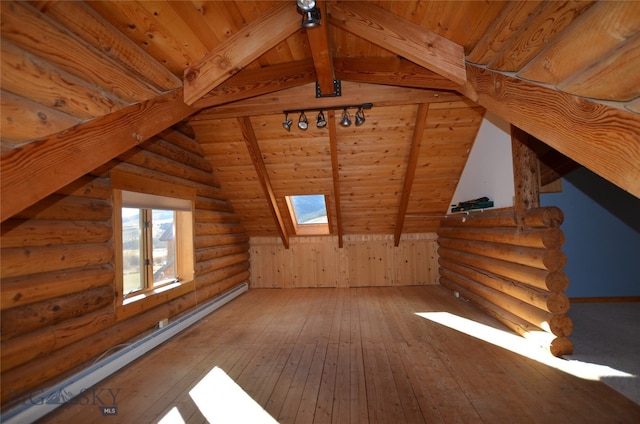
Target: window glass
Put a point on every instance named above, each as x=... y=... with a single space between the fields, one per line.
x=164 y=246
x=148 y=248
x=309 y=209
x=132 y=256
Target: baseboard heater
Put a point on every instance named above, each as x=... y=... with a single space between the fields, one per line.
x=48 y=400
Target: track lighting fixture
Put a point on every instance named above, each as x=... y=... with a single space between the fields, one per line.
x=360 y=117
x=287 y=122
x=310 y=13
x=321 y=121
x=303 y=124
x=346 y=119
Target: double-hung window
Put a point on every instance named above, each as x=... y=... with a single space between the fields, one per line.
x=153 y=229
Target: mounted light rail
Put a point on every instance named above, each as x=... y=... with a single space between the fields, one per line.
x=321 y=121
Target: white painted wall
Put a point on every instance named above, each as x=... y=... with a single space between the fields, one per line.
x=489 y=169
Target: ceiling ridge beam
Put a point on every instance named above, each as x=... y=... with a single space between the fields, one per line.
x=321 y=52
x=239 y=50
x=412 y=165
x=402 y=37
x=251 y=141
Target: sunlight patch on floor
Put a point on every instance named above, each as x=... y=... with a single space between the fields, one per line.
x=522 y=346
x=172 y=417
x=221 y=400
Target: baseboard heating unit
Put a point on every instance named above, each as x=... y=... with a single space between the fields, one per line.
x=51 y=398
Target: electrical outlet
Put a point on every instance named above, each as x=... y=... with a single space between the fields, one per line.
x=163 y=323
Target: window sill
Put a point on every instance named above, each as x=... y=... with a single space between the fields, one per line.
x=143 y=301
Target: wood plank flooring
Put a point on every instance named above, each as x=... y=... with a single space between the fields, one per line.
x=351 y=356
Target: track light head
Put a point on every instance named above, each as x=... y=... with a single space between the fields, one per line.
x=360 y=117
x=346 y=120
x=303 y=124
x=321 y=122
x=305 y=5
x=287 y=122
x=310 y=18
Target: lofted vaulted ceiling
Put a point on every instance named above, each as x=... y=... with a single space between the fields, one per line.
x=83 y=82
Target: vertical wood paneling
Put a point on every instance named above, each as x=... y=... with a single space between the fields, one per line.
x=365 y=260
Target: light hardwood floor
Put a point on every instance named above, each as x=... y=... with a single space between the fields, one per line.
x=351 y=356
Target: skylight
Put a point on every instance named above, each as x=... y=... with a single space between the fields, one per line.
x=309 y=214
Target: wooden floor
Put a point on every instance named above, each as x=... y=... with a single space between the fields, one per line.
x=350 y=356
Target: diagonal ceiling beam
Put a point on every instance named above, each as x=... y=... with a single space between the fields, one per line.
x=30 y=173
x=401 y=37
x=241 y=49
x=335 y=170
x=412 y=165
x=319 y=44
x=256 y=82
x=263 y=176
x=598 y=136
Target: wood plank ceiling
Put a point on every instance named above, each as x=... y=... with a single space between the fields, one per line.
x=76 y=73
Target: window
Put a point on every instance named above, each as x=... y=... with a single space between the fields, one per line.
x=153 y=233
x=148 y=248
x=309 y=214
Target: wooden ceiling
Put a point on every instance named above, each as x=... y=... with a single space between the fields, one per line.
x=83 y=82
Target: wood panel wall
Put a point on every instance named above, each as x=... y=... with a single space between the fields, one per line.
x=512 y=274
x=364 y=260
x=58 y=290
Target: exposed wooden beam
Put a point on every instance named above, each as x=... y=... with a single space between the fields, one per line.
x=263 y=176
x=335 y=170
x=600 y=137
x=239 y=50
x=303 y=97
x=321 y=52
x=526 y=174
x=402 y=37
x=412 y=164
x=30 y=173
x=256 y=82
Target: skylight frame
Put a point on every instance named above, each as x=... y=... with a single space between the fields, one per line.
x=302 y=229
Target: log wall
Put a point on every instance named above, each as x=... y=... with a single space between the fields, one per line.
x=57 y=293
x=364 y=260
x=515 y=275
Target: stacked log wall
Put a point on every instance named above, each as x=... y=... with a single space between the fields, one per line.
x=513 y=273
x=58 y=292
